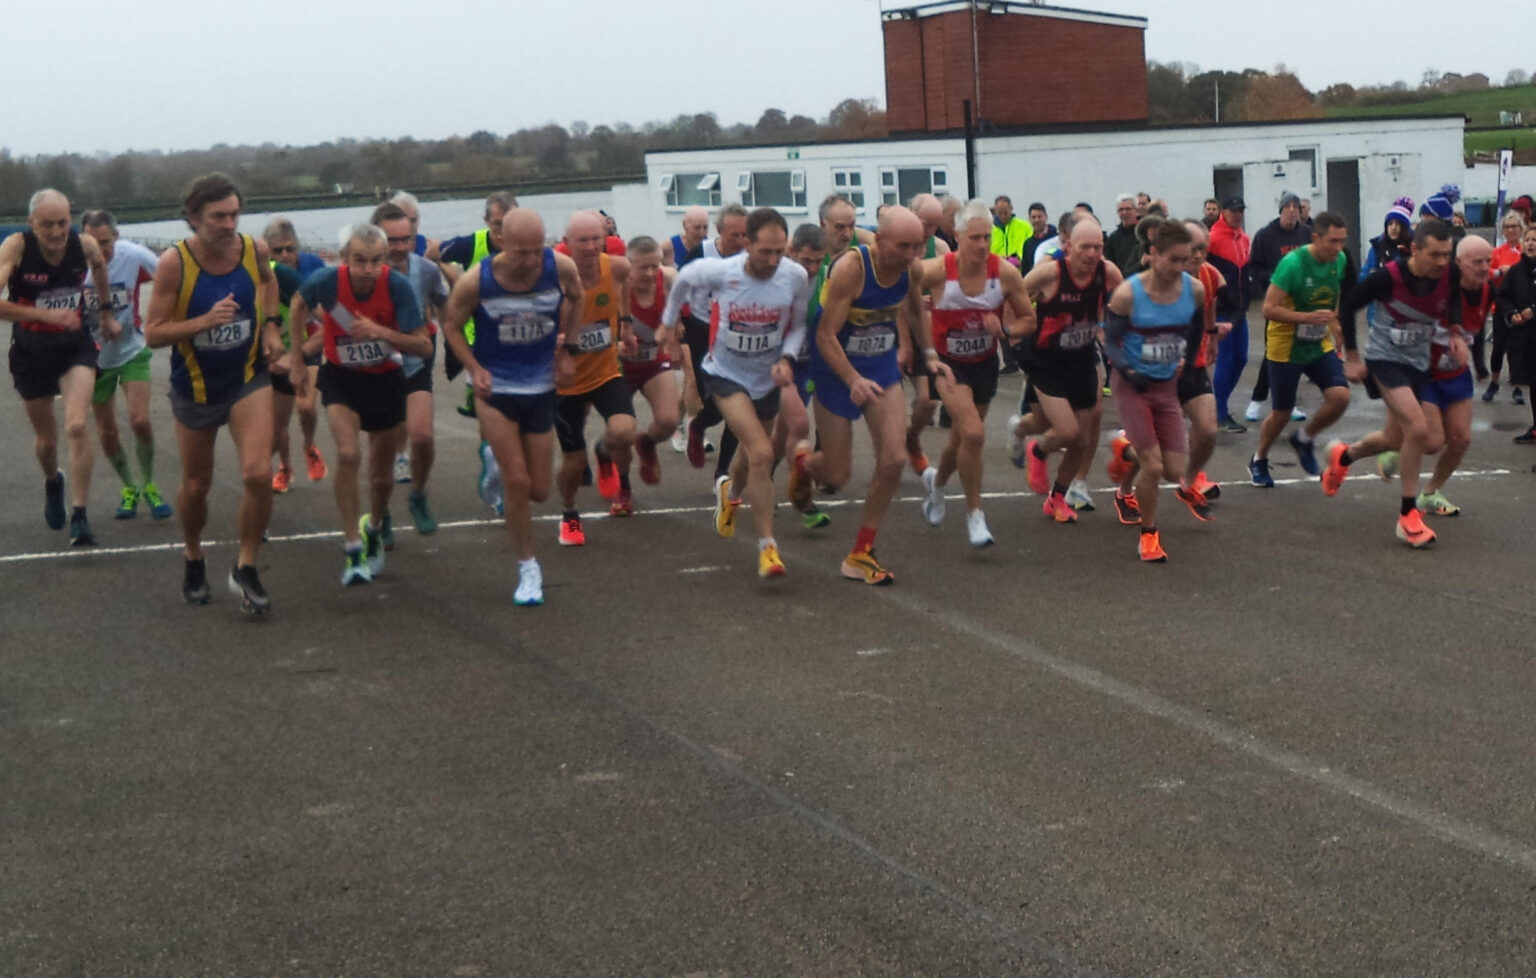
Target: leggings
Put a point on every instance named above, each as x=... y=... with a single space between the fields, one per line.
x=1231 y=358
x=1261 y=389
x=1500 y=343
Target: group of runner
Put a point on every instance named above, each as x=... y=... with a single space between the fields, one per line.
x=776 y=328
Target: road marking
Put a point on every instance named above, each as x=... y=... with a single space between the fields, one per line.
x=145 y=548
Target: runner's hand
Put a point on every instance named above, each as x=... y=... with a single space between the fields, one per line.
x=1354 y=367
x=481 y=379
x=993 y=323
x=222 y=312
x=941 y=369
x=864 y=392
x=299 y=379
x=783 y=374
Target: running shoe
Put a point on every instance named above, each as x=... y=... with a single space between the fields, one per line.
x=1435 y=504
x=316 y=463
x=607 y=473
x=915 y=454
x=53 y=501
x=1015 y=441
x=1210 y=490
x=933 y=500
x=1057 y=509
x=571 y=534
x=1386 y=465
x=489 y=481
x=815 y=519
x=623 y=504
x=1297 y=414
x=1254 y=408
x=1517 y=396
x=80 y=534
x=1334 y=474
x=1197 y=505
x=1151 y=548
x=373 y=546
x=650 y=465
x=1039 y=479
x=1258 y=473
x=1491 y=392
x=1078 y=497
x=158 y=507
x=976 y=529
x=800 y=480
x=1412 y=531
x=253 y=597
x=194 y=583
x=860 y=565
x=1230 y=424
x=696 y=444
x=282 y=479
x=421 y=513
x=128 y=508
x=355 y=570
x=1527 y=437
x=402 y=468
x=680 y=437
x=769 y=563
x=1118 y=466
x=725 y=508
x=530 y=585
x=387 y=532
x=467 y=406
x=1306 y=453
x=1128 y=508
x=1109 y=391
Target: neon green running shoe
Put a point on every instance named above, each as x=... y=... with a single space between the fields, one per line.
x=129 y=507
x=815 y=519
x=1435 y=504
x=1386 y=466
x=158 y=507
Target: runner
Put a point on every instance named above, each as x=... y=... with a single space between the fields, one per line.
x=421 y=244
x=757 y=325
x=525 y=300
x=808 y=249
x=414 y=437
x=1447 y=397
x=732 y=225
x=52 y=352
x=457 y=256
x=924 y=401
x=689 y=245
x=1414 y=296
x=1150 y=320
x=1301 y=311
x=214 y=303
x=596 y=380
x=125 y=361
x=646 y=358
x=856 y=367
x=970 y=289
x=1063 y=363
x=368 y=317
x=283 y=244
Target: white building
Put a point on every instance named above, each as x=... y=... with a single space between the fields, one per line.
x=1354 y=166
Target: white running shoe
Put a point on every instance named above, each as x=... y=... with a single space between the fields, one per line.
x=402 y=468
x=1297 y=414
x=530 y=584
x=490 y=478
x=1015 y=441
x=976 y=527
x=933 y=502
x=680 y=437
x=1078 y=497
x=1254 y=407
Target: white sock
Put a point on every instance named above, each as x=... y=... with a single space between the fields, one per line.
x=763 y=543
x=1303 y=437
x=531 y=563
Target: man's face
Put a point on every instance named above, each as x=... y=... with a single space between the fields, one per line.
x=585 y=240
x=838 y=227
x=525 y=252
x=1037 y=220
x=809 y=259
x=901 y=245
x=1212 y=210
x=1126 y=211
x=764 y=253
x=733 y=234
x=106 y=238
x=494 y=223
x=365 y=259
x=975 y=242
x=930 y=217
x=400 y=241
x=1085 y=251
x=696 y=228
x=50 y=222
x=285 y=251
x=1432 y=259
x=1233 y=217
x=644 y=266
x=1326 y=247
x=1474 y=268
x=1306 y=209
x=218 y=220
x=1142 y=200
x=1290 y=216
x=1003 y=210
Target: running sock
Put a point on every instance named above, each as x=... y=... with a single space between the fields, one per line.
x=1058 y=490
x=646 y=440
x=1408 y=504
x=146 y=453
x=1345 y=458
x=77 y=513
x=865 y=541
x=355 y=548
x=528 y=564
x=763 y=543
x=624 y=481
x=1148 y=529
x=1038 y=452
x=119 y=464
x=570 y=514
x=1303 y=437
x=374 y=527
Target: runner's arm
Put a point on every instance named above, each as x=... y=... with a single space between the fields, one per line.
x=462 y=300
x=159 y=329
x=1021 y=324
x=843 y=285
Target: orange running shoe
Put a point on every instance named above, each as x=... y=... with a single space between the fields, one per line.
x=1334 y=473
x=1210 y=490
x=800 y=479
x=282 y=479
x=571 y=534
x=1151 y=548
x=1128 y=508
x=1193 y=498
x=915 y=454
x=1118 y=467
x=1412 y=531
x=1057 y=509
x=316 y=463
x=1038 y=477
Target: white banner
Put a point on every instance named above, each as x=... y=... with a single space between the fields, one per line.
x=1506 y=159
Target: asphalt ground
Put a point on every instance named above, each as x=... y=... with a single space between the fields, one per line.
x=1298 y=748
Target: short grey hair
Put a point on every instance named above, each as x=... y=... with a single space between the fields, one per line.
x=279 y=229
x=972 y=210
x=831 y=201
x=405 y=197
x=359 y=231
x=99 y=219
x=502 y=197
x=1125 y=199
x=42 y=197
x=732 y=209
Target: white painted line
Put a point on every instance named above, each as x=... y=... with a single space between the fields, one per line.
x=824 y=503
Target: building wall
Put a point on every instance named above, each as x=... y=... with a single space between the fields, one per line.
x=1030 y=67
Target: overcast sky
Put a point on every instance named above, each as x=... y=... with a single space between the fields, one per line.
x=95 y=75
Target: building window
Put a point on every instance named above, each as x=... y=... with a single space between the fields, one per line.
x=772 y=188
x=689 y=189
x=849 y=185
x=1307 y=157
x=900 y=184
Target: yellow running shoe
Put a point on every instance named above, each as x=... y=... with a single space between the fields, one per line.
x=725 y=508
x=769 y=564
x=860 y=565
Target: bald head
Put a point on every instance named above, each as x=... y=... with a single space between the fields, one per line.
x=1085 y=248
x=929 y=211
x=1473 y=256
x=896 y=220
x=1086 y=229
x=899 y=238
x=521 y=227
x=47 y=197
x=695 y=225
x=1198 y=236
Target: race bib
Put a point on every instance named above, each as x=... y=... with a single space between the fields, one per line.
x=1077 y=336
x=229 y=336
x=1409 y=336
x=750 y=344
x=524 y=327
x=967 y=344
x=594 y=337
x=362 y=353
x=61 y=299
x=870 y=344
x=1447 y=363
x=121 y=298
x=1162 y=351
x=1311 y=332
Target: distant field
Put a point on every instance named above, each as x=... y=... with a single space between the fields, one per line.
x=1500 y=139
x=1482 y=108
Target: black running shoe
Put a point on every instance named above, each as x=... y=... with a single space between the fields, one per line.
x=194 y=583
x=80 y=534
x=253 y=597
x=53 y=501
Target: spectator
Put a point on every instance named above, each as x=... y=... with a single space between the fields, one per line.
x=1143 y=200
x=1009 y=232
x=1229 y=251
x=1271 y=243
x=1516 y=309
x=1120 y=245
x=1212 y=212
x=1306 y=211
